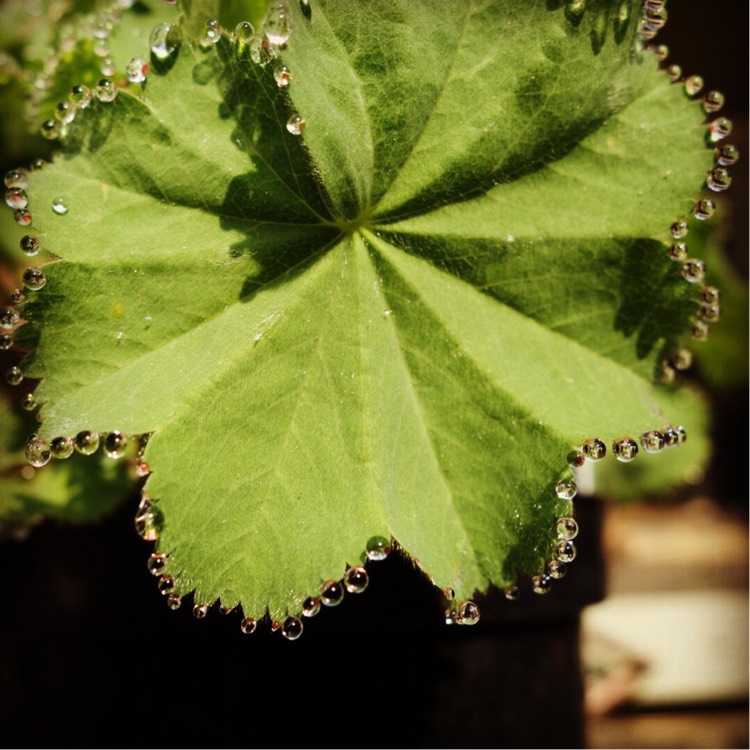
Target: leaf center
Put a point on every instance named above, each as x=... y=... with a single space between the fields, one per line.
x=350 y=226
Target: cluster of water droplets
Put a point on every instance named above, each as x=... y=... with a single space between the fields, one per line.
x=264 y=46
x=95 y=30
x=718 y=179
x=149 y=522
x=34 y=279
x=39 y=452
x=624 y=449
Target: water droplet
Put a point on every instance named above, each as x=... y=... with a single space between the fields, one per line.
x=34 y=279
x=16 y=198
x=671 y=438
x=87 y=442
x=8 y=317
x=262 y=53
x=296 y=124
x=65 y=112
x=625 y=449
x=244 y=33
x=566 y=489
x=727 y=154
x=282 y=76
x=30 y=245
x=165 y=585
x=292 y=628
x=59 y=206
x=157 y=563
x=693 y=270
x=115 y=444
x=682 y=359
x=700 y=331
x=450 y=615
x=248 y=625
x=679 y=229
x=565 y=551
x=541 y=584
x=719 y=128
x=594 y=449
x=662 y=52
x=51 y=129
x=6 y=341
x=556 y=569
x=105 y=91
x=682 y=434
x=37 y=452
x=678 y=251
x=311 y=606
x=61 y=447
x=17 y=178
x=674 y=72
x=449 y=593
x=693 y=85
x=80 y=95
x=654 y=18
x=142 y=469
x=211 y=34
x=18 y=296
x=666 y=373
x=713 y=101
x=576 y=459
x=332 y=593
x=710 y=313
x=149 y=520
x=277 y=25
x=14 y=375
x=107 y=67
x=468 y=613
x=652 y=441
x=378 y=548
x=512 y=593
x=718 y=179
x=28 y=403
x=136 y=70
x=645 y=32
x=710 y=294
x=704 y=209
x=275 y=625
x=22 y=216
x=174 y=601
x=164 y=40
x=200 y=611
x=356 y=579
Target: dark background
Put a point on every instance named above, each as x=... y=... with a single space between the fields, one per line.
x=91 y=656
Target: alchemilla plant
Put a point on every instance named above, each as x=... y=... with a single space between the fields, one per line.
x=335 y=276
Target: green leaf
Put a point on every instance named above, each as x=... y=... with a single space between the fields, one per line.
x=397 y=324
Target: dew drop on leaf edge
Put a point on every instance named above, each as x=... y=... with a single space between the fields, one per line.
x=248 y=625
x=332 y=593
x=356 y=579
x=292 y=628
x=377 y=548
